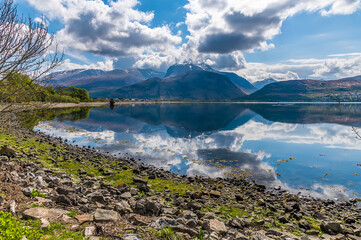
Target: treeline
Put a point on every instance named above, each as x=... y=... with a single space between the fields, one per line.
x=19 y=88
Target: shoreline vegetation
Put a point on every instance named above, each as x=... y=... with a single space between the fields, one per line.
x=56 y=190
x=105 y=102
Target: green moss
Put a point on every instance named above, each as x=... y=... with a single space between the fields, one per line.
x=160 y=185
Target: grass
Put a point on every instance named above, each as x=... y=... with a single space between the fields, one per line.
x=36 y=193
x=14 y=229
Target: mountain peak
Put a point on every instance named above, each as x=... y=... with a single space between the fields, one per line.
x=177 y=69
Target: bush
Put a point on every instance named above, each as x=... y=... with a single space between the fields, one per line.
x=12 y=229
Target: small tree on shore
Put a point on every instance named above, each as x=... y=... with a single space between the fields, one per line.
x=26 y=48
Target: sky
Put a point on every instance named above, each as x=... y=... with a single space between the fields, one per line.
x=257 y=39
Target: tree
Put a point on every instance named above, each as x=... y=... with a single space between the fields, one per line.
x=26 y=48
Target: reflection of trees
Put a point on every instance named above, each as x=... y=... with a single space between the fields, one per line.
x=32 y=118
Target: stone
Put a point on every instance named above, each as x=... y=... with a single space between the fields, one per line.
x=304 y=224
x=123 y=207
x=62 y=199
x=7 y=151
x=215 y=225
x=132 y=237
x=183 y=229
x=65 y=190
x=191 y=223
x=140 y=180
x=4 y=159
x=148 y=207
x=214 y=193
x=164 y=222
x=126 y=195
x=13 y=207
x=44 y=223
x=312 y=232
x=97 y=197
x=28 y=191
x=261 y=202
x=82 y=218
x=38 y=213
x=331 y=228
x=102 y=215
x=89 y=231
x=189 y=215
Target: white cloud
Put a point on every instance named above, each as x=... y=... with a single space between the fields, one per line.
x=113 y=30
x=68 y=65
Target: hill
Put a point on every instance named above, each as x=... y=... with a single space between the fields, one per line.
x=347 y=89
x=246 y=86
x=193 y=85
x=262 y=83
x=178 y=69
x=99 y=83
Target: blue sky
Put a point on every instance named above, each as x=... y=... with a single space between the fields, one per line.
x=256 y=39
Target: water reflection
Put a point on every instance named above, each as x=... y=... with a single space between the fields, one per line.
x=310 y=149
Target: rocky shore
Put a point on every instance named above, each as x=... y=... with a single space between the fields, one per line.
x=97 y=196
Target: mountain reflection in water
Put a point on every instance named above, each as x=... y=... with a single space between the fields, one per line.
x=307 y=148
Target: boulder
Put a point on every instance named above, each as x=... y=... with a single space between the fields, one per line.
x=123 y=207
x=38 y=213
x=332 y=228
x=214 y=225
x=102 y=215
x=82 y=218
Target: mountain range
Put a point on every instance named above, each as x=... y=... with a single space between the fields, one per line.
x=100 y=83
x=202 y=82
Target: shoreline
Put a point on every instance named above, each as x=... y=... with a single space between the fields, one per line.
x=236 y=206
x=27 y=107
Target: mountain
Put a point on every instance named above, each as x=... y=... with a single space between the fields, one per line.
x=347 y=89
x=261 y=84
x=193 y=85
x=178 y=69
x=99 y=83
x=246 y=86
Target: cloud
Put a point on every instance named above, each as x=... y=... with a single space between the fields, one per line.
x=110 y=30
x=107 y=65
x=220 y=26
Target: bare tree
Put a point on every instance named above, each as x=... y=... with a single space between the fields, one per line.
x=358 y=135
x=27 y=55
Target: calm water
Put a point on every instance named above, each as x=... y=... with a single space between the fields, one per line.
x=302 y=148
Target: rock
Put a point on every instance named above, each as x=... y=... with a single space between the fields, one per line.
x=4 y=159
x=312 y=232
x=214 y=193
x=38 y=213
x=126 y=195
x=192 y=223
x=304 y=224
x=82 y=171
x=189 y=215
x=164 y=222
x=349 y=219
x=132 y=237
x=331 y=228
x=97 y=197
x=260 y=236
x=123 y=207
x=183 y=229
x=62 y=199
x=7 y=151
x=102 y=215
x=148 y=207
x=140 y=180
x=44 y=223
x=273 y=232
x=261 y=202
x=82 y=218
x=65 y=190
x=40 y=183
x=214 y=225
x=13 y=207
x=89 y=231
